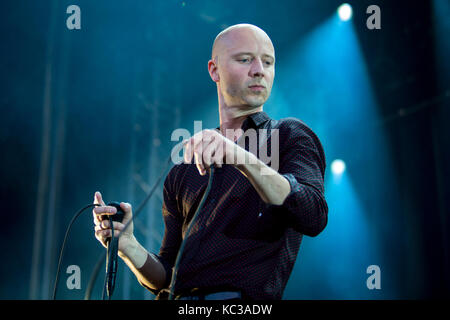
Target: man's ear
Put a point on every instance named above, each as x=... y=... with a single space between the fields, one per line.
x=212 y=69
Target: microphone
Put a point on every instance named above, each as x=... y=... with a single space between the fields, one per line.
x=112 y=248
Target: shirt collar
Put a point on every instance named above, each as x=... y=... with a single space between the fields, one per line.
x=255 y=120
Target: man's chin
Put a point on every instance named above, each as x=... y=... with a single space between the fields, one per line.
x=256 y=102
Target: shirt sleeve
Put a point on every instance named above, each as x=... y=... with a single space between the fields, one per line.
x=303 y=165
x=173 y=226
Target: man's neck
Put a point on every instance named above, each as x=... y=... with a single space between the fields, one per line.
x=232 y=118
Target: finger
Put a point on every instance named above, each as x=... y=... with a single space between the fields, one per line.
x=99 y=235
x=197 y=139
x=126 y=207
x=101 y=213
x=98 y=198
x=208 y=153
x=218 y=155
x=128 y=211
x=97 y=219
x=105 y=224
x=201 y=141
x=105 y=210
x=102 y=235
x=198 y=163
x=187 y=145
x=193 y=144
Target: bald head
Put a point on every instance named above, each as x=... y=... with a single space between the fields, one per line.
x=243 y=67
x=228 y=37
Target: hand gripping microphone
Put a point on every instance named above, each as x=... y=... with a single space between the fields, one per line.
x=112 y=247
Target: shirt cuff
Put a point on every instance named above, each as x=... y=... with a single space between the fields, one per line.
x=290 y=202
x=305 y=209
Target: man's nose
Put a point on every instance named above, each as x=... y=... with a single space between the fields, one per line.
x=257 y=68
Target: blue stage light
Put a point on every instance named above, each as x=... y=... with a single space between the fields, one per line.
x=338 y=167
x=345 y=12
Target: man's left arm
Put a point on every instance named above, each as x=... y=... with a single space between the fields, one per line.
x=272 y=187
x=297 y=189
x=298 y=186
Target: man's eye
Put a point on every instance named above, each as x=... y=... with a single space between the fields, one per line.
x=244 y=60
x=269 y=63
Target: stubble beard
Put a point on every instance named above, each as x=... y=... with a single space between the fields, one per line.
x=247 y=97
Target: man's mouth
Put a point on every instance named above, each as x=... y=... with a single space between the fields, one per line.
x=257 y=87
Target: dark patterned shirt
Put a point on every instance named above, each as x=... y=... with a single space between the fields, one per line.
x=239 y=241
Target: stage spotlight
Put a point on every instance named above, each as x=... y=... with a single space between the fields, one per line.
x=345 y=12
x=338 y=167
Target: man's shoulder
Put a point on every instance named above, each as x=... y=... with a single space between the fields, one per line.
x=175 y=174
x=177 y=169
x=293 y=126
x=291 y=122
x=294 y=131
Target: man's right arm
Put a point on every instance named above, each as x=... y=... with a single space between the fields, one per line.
x=146 y=267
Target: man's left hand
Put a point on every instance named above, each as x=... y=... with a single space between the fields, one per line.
x=210 y=147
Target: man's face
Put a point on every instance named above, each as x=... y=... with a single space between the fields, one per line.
x=246 y=67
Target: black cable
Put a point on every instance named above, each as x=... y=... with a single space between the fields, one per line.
x=96 y=269
x=111 y=263
x=106 y=272
x=94 y=275
x=183 y=243
x=135 y=214
x=61 y=252
x=112 y=248
x=110 y=252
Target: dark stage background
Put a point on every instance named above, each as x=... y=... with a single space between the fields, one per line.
x=94 y=109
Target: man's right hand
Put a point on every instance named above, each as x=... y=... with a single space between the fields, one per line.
x=103 y=228
x=147 y=268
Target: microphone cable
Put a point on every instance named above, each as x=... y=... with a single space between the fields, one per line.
x=183 y=243
x=98 y=265
x=111 y=263
x=61 y=252
x=116 y=239
x=112 y=253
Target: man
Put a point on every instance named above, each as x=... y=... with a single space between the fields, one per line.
x=245 y=242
